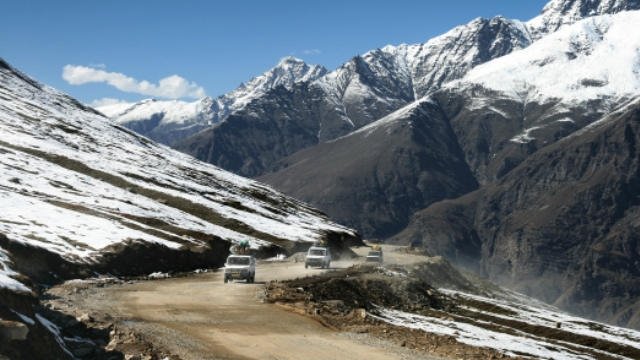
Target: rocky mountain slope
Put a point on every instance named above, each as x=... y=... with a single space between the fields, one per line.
x=378 y=176
x=582 y=190
x=170 y=121
x=121 y=195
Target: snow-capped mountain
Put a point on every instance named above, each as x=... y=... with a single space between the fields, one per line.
x=164 y=121
x=558 y=13
x=172 y=120
x=288 y=72
x=361 y=91
x=499 y=114
x=592 y=59
x=119 y=194
x=533 y=97
x=373 y=85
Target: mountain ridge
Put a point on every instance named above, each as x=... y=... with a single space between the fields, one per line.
x=168 y=121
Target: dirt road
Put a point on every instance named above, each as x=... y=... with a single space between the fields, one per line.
x=200 y=317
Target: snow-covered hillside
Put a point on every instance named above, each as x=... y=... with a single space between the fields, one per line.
x=168 y=121
x=558 y=13
x=521 y=327
x=75 y=184
x=592 y=59
x=289 y=71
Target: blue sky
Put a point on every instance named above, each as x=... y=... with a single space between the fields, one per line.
x=214 y=45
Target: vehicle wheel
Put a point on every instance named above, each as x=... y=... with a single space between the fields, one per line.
x=226 y=279
x=306 y=266
x=253 y=279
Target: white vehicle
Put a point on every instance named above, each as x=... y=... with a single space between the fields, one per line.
x=318 y=256
x=375 y=256
x=240 y=267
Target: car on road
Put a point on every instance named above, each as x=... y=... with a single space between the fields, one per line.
x=318 y=256
x=240 y=267
x=375 y=256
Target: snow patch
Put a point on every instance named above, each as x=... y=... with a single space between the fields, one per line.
x=55 y=330
x=592 y=59
x=525 y=136
x=6 y=275
x=158 y=275
x=478 y=337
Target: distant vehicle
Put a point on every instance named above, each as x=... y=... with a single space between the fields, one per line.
x=318 y=256
x=375 y=256
x=240 y=267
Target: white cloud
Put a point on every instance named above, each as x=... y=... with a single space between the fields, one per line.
x=312 y=52
x=172 y=87
x=106 y=102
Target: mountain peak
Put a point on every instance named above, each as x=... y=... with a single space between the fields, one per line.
x=589 y=7
x=287 y=72
x=558 y=13
x=290 y=60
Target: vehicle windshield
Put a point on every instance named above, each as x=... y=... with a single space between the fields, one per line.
x=316 y=252
x=236 y=260
x=374 y=253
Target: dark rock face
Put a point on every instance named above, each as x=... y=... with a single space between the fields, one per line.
x=497 y=132
x=377 y=177
x=251 y=141
x=561 y=226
